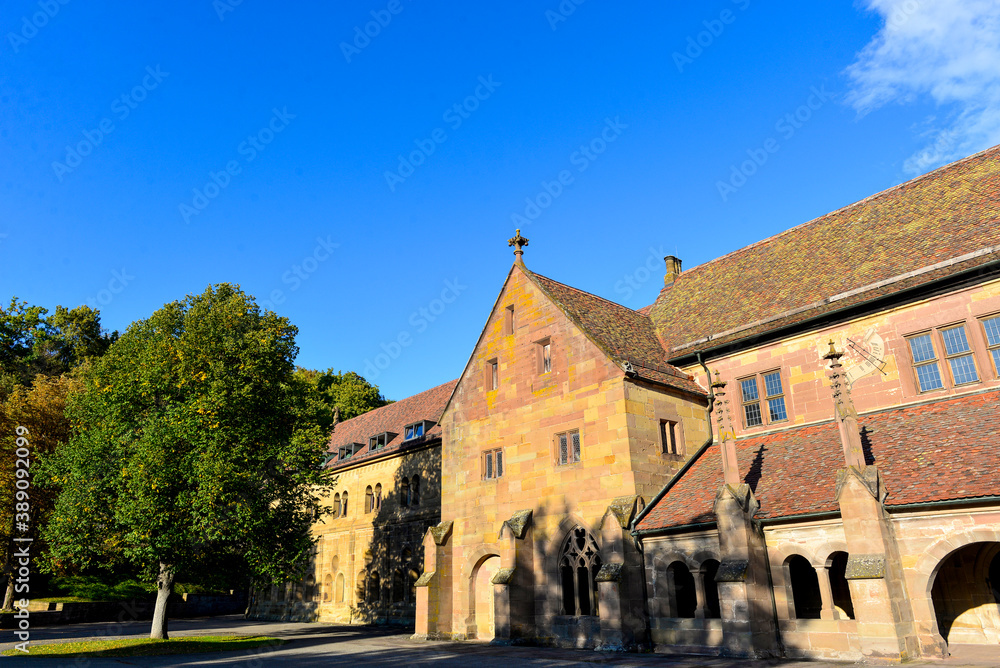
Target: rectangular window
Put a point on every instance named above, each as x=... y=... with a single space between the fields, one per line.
x=959 y=355
x=346 y=451
x=376 y=442
x=508 y=321
x=413 y=431
x=775 y=397
x=992 y=327
x=493 y=464
x=670 y=438
x=546 y=357
x=925 y=362
x=569 y=447
x=494 y=375
x=751 y=402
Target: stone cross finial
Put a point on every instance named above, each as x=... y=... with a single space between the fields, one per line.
x=730 y=466
x=845 y=413
x=518 y=241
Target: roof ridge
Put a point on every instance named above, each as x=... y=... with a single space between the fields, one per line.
x=847 y=207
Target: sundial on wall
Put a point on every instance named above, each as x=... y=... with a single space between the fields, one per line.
x=871 y=353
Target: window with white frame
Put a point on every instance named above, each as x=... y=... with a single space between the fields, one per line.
x=765 y=388
x=957 y=365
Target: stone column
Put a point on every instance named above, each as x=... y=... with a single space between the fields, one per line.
x=874 y=568
x=825 y=593
x=513 y=584
x=749 y=629
x=620 y=582
x=699 y=592
x=434 y=586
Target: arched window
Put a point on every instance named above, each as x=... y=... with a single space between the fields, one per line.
x=415 y=490
x=578 y=567
x=369 y=499
x=406 y=557
x=343 y=507
x=336 y=505
x=404 y=492
x=411 y=590
x=327 y=587
x=378 y=497
x=838 y=584
x=398 y=586
x=374 y=587
x=339 y=595
x=680 y=589
x=709 y=570
x=363 y=586
x=805 y=587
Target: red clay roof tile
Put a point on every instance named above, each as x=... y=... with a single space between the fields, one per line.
x=936 y=451
x=946 y=214
x=428 y=405
x=624 y=334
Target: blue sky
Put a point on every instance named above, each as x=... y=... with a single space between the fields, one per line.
x=353 y=180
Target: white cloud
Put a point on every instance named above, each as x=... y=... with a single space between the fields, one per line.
x=944 y=50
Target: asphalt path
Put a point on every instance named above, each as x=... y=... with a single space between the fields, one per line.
x=315 y=645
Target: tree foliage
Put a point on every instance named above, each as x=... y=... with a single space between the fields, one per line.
x=40 y=409
x=191 y=448
x=33 y=342
x=347 y=392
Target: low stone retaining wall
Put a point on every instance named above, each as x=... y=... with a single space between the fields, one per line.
x=45 y=613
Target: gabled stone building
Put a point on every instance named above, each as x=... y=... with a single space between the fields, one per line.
x=386 y=466
x=792 y=452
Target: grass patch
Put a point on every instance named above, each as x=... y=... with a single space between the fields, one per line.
x=147 y=647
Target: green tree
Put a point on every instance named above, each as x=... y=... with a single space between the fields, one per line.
x=32 y=342
x=189 y=450
x=347 y=392
x=40 y=409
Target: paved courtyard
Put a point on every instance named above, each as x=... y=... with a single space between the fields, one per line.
x=329 y=645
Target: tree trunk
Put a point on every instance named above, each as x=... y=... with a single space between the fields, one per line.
x=8 y=599
x=164 y=588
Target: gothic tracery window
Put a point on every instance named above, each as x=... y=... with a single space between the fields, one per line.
x=578 y=567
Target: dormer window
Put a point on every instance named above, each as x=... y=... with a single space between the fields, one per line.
x=347 y=450
x=415 y=430
x=378 y=442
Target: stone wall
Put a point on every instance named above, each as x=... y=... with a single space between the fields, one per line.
x=353 y=547
x=803 y=372
x=621 y=456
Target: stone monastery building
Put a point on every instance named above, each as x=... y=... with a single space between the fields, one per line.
x=792 y=452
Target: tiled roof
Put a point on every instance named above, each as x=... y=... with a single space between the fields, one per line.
x=936 y=451
x=427 y=405
x=624 y=334
x=949 y=213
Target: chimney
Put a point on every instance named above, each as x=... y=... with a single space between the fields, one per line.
x=673 y=269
